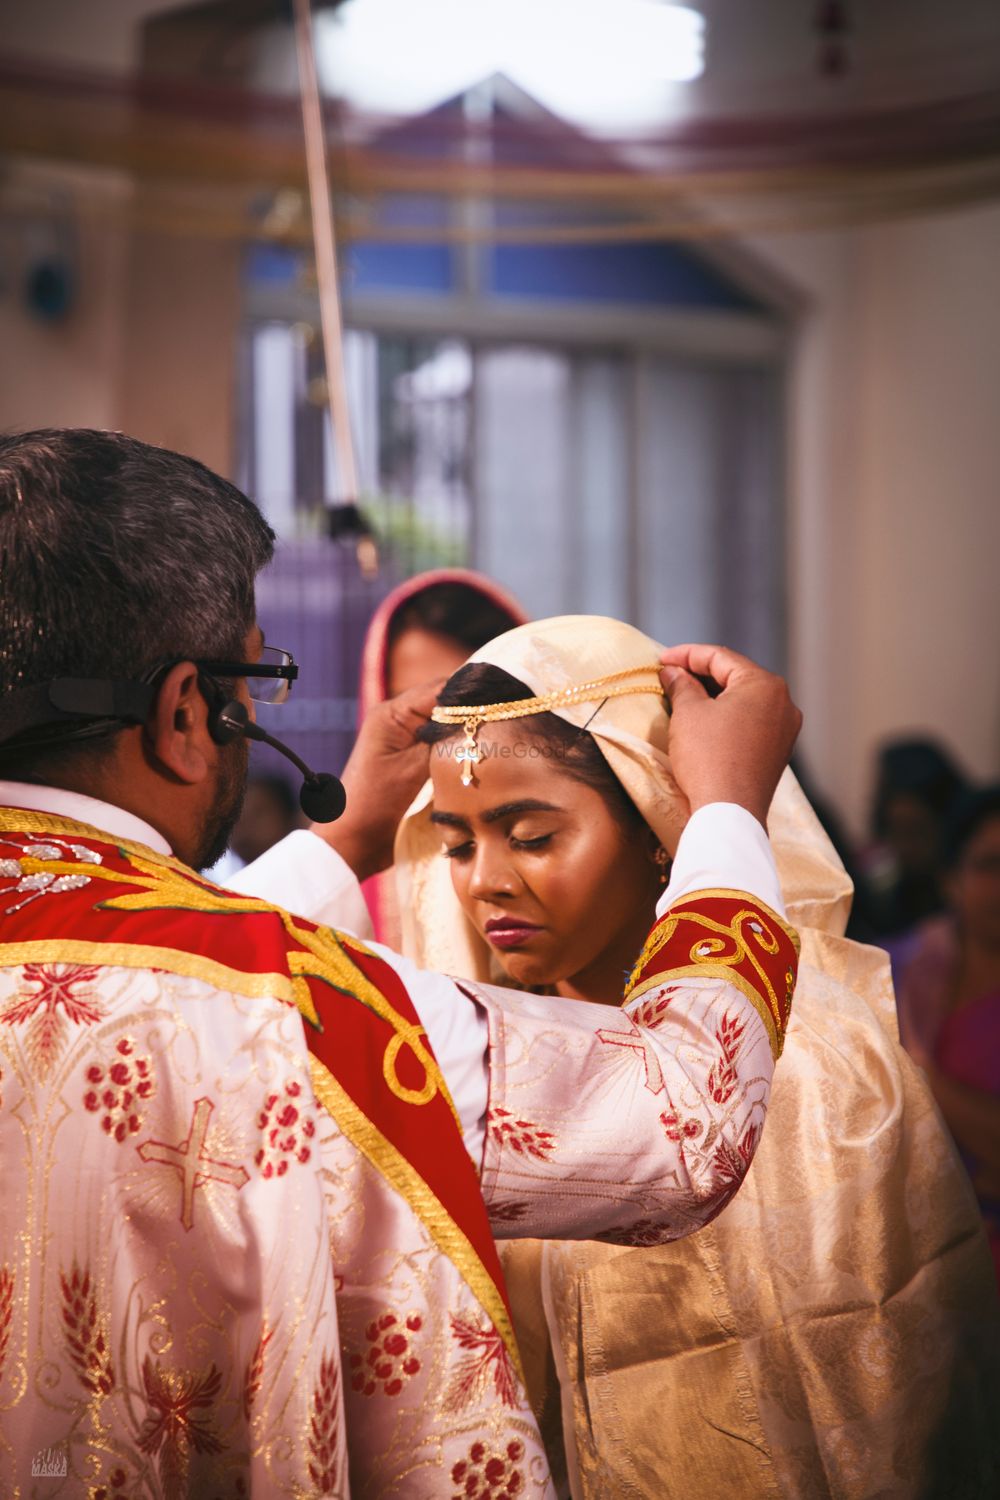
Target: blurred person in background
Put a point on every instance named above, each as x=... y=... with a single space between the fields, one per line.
x=270 y=811
x=424 y=630
x=948 y=998
x=860 y=926
x=918 y=786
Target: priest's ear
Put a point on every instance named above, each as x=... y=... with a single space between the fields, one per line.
x=176 y=733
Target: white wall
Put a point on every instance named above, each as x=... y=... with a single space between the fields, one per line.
x=894 y=480
x=149 y=345
x=67 y=373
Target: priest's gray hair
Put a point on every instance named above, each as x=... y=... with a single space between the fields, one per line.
x=116 y=556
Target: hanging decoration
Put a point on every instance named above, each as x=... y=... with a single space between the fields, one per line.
x=221 y=161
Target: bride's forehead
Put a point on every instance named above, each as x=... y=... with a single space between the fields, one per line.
x=511 y=761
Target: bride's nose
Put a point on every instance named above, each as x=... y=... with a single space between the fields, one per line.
x=492 y=872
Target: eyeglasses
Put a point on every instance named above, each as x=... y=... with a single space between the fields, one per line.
x=268 y=680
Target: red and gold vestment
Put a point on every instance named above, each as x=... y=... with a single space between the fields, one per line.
x=243 y=1248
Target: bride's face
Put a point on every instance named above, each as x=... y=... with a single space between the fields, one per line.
x=561 y=891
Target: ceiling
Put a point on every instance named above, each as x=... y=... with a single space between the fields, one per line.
x=761 y=56
x=767 y=135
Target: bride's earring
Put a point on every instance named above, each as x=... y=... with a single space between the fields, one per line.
x=661 y=860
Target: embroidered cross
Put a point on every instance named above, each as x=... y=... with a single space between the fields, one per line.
x=640 y=1044
x=194 y=1167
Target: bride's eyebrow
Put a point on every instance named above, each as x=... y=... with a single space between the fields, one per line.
x=450 y=820
x=514 y=809
x=505 y=810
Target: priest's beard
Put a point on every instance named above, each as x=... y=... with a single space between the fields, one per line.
x=230 y=789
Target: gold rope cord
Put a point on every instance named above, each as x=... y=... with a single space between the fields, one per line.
x=596 y=691
x=473 y=717
x=204 y=168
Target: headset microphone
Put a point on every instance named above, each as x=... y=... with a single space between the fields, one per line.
x=321 y=796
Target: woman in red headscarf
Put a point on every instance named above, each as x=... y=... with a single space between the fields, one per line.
x=425 y=629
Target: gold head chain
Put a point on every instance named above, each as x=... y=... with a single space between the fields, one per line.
x=472 y=716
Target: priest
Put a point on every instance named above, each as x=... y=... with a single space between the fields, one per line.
x=254 y=1167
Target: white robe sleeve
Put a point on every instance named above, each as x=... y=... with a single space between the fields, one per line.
x=304 y=875
x=723 y=847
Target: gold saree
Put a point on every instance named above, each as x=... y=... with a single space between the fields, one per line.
x=834 y=1331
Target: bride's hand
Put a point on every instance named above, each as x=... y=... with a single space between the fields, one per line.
x=732 y=748
x=386 y=769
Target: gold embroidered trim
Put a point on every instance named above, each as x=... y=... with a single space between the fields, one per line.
x=709 y=970
x=142 y=956
x=25 y=820
x=164 y=882
x=712 y=966
x=716 y=894
x=450 y=1239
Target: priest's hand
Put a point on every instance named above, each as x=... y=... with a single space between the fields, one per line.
x=733 y=747
x=386 y=769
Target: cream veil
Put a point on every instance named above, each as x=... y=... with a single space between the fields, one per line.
x=632 y=733
x=830 y=1334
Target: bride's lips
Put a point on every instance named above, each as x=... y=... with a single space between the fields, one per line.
x=509 y=932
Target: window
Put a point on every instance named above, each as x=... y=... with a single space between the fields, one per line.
x=603 y=460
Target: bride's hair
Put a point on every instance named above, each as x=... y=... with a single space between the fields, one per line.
x=573 y=750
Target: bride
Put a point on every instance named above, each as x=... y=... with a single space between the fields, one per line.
x=829 y=1334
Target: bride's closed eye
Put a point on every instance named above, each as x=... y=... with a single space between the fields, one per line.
x=458 y=851
x=465 y=849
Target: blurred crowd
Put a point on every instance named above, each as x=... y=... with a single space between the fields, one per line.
x=927 y=879
x=927 y=888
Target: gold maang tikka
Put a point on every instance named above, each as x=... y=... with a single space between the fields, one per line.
x=472 y=716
